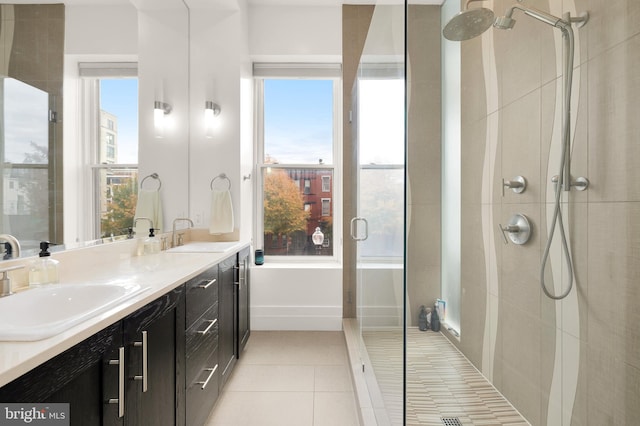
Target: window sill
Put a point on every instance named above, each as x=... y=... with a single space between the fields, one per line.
x=328 y=264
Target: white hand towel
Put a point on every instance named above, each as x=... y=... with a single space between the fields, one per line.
x=150 y=206
x=221 y=212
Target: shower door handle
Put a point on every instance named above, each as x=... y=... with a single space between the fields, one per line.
x=354 y=229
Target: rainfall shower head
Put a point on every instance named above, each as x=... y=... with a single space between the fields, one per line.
x=468 y=24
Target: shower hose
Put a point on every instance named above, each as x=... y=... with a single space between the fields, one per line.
x=564 y=180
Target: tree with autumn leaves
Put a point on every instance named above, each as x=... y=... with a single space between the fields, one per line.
x=122 y=209
x=283 y=205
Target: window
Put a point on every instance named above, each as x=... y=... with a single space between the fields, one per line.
x=326 y=183
x=298 y=114
x=113 y=90
x=326 y=207
x=381 y=166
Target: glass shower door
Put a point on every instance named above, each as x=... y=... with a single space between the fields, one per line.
x=378 y=227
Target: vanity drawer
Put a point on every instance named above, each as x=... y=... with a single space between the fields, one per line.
x=202 y=392
x=202 y=294
x=201 y=342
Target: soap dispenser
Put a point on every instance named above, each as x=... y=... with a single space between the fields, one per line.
x=43 y=270
x=152 y=244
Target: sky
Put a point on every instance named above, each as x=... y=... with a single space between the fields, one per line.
x=120 y=98
x=298 y=117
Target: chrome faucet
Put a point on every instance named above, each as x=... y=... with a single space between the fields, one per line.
x=5 y=287
x=13 y=242
x=135 y=221
x=173 y=234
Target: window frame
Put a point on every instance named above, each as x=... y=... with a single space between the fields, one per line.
x=326 y=71
x=90 y=74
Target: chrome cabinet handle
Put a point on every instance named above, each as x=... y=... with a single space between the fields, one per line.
x=207 y=285
x=211 y=324
x=353 y=230
x=211 y=373
x=145 y=365
x=120 y=399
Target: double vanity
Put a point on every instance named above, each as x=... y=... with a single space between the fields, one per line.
x=130 y=340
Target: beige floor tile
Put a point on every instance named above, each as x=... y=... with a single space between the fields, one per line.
x=330 y=378
x=289 y=378
x=334 y=409
x=275 y=378
x=263 y=408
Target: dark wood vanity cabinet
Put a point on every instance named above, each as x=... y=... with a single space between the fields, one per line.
x=243 y=285
x=201 y=337
x=154 y=359
x=228 y=317
x=72 y=377
x=165 y=364
x=129 y=373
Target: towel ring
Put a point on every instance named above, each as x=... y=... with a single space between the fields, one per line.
x=153 y=176
x=221 y=176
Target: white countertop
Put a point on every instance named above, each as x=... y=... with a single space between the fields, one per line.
x=158 y=274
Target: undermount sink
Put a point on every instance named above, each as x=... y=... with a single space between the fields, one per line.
x=38 y=313
x=204 y=247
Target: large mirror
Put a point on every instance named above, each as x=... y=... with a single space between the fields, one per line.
x=24 y=137
x=52 y=186
x=31 y=74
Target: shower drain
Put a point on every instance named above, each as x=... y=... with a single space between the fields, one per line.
x=450 y=421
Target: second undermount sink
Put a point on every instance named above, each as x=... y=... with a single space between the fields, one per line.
x=43 y=312
x=205 y=247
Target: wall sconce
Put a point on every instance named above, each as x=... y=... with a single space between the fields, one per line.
x=211 y=111
x=160 y=109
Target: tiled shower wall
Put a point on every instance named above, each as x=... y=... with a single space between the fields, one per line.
x=574 y=362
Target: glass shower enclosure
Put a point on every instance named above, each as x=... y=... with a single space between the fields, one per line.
x=378 y=133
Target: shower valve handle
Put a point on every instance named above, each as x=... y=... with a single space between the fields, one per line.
x=518 y=228
x=518 y=184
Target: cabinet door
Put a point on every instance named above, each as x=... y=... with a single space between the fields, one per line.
x=73 y=377
x=227 y=317
x=243 y=300
x=153 y=395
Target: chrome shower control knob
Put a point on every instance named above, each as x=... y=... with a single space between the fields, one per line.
x=518 y=184
x=518 y=229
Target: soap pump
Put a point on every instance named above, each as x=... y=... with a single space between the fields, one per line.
x=44 y=269
x=152 y=244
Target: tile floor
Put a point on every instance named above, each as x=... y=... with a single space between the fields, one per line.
x=441 y=382
x=289 y=378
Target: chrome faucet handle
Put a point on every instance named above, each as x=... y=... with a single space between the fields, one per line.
x=6 y=281
x=518 y=228
x=518 y=184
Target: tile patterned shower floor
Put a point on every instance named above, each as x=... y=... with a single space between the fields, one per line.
x=441 y=382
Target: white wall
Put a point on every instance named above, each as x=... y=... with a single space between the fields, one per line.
x=302 y=297
x=295 y=33
x=219 y=64
x=163 y=72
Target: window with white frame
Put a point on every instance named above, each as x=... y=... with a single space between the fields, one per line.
x=298 y=141
x=326 y=183
x=326 y=207
x=110 y=91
